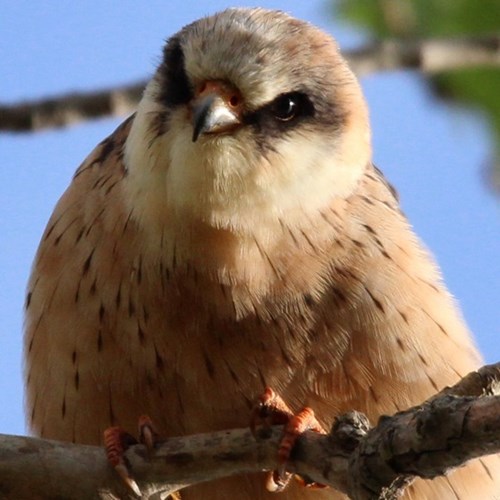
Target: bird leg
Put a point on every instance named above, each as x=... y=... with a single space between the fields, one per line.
x=116 y=443
x=272 y=410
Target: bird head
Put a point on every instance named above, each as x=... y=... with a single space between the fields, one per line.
x=251 y=115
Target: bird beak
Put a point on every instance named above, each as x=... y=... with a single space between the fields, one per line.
x=215 y=108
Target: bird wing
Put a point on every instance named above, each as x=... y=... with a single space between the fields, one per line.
x=79 y=297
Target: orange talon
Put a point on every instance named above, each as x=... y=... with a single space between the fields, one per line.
x=272 y=410
x=276 y=482
x=116 y=442
x=303 y=421
x=147 y=433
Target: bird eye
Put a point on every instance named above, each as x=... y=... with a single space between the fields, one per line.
x=285 y=111
x=285 y=107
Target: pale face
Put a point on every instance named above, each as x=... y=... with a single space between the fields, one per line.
x=300 y=134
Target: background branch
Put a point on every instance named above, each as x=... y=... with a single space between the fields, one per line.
x=429 y=56
x=68 y=109
x=458 y=424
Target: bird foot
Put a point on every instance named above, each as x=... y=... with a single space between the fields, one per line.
x=116 y=443
x=270 y=410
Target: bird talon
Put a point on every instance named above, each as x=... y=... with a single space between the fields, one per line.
x=147 y=432
x=270 y=410
x=277 y=481
x=303 y=421
x=124 y=472
x=116 y=443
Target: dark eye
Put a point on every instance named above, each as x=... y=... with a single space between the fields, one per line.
x=285 y=107
x=290 y=107
x=284 y=112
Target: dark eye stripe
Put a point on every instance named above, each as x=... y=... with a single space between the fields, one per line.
x=175 y=87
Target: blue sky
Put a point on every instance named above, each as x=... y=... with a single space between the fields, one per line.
x=433 y=154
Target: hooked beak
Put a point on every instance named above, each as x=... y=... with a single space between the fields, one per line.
x=216 y=108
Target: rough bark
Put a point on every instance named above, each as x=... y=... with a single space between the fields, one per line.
x=460 y=423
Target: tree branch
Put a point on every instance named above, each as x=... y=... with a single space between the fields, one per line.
x=456 y=425
x=68 y=109
x=428 y=56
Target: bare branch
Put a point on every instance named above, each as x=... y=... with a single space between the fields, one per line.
x=428 y=56
x=68 y=109
x=425 y=442
x=483 y=382
x=459 y=424
x=34 y=468
x=450 y=428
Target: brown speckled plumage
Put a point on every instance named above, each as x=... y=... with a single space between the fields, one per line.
x=177 y=278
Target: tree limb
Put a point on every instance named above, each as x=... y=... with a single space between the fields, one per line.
x=428 y=56
x=458 y=424
x=68 y=109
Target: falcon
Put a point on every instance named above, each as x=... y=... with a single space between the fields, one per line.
x=234 y=234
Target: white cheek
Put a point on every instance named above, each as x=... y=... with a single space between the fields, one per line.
x=227 y=182
x=308 y=173
x=147 y=163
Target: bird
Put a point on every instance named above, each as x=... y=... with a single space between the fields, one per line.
x=234 y=234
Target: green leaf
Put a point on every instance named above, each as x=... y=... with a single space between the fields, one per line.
x=422 y=18
x=477 y=88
